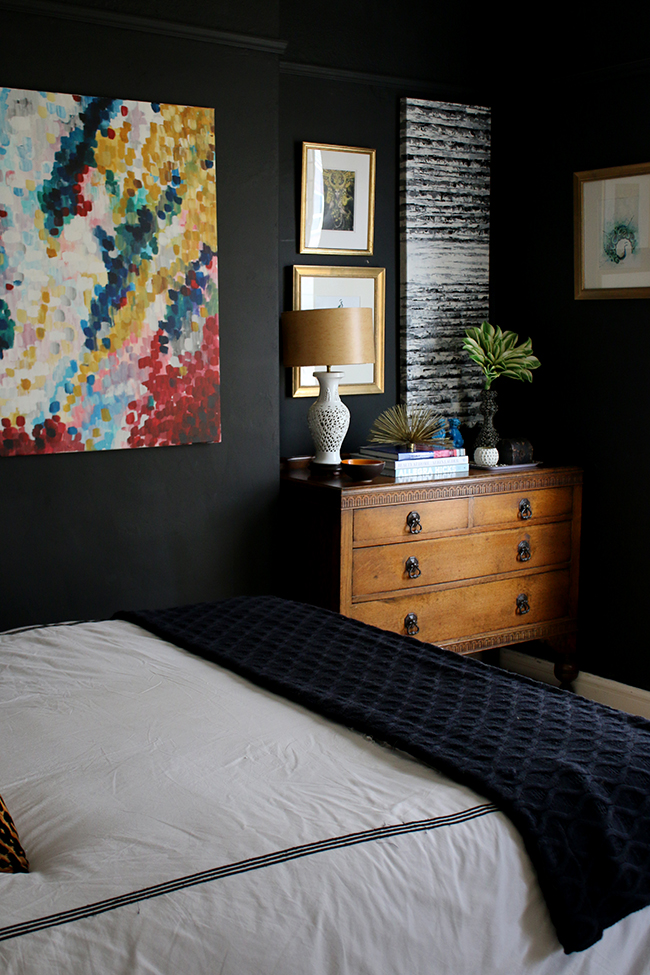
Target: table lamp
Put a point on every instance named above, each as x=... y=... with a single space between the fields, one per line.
x=328 y=335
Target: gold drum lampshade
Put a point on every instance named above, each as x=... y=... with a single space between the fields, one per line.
x=328 y=336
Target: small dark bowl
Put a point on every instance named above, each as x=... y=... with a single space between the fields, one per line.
x=362 y=468
x=296 y=463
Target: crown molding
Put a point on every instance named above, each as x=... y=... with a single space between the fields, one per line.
x=147 y=25
x=461 y=93
x=411 y=85
x=617 y=72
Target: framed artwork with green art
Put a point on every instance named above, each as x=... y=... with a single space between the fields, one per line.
x=337 y=212
x=612 y=232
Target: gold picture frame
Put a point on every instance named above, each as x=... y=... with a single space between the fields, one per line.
x=337 y=199
x=333 y=287
x=611 y=209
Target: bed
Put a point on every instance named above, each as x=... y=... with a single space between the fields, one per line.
x=181 y=815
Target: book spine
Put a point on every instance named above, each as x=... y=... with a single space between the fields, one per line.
x=437 y=476
x=432 y=464
x=411 y=455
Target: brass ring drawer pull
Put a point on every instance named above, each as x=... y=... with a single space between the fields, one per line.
x=411 y=624
x=413 y=567
x=413 y=522
x=525 y=509
x=523 y=606
x=524 y=553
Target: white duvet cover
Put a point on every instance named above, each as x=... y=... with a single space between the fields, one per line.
x=180 y=820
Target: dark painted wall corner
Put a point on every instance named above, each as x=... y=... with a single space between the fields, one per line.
x=88 y=534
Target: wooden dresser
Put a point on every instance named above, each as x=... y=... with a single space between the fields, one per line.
x=467 y=563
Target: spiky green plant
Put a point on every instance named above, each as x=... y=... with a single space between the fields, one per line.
x=409 y=426
x=498 y=354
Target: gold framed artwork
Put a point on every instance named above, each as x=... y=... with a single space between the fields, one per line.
x=342 y=287
x=612 y=232
x=337 y=209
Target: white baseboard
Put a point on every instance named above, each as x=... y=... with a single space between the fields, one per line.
x=610 y=692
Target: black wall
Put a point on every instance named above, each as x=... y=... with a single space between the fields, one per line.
x=564 y=98
x=86 y=534
x=589 y=403
x=348 y=114
x=339 y=106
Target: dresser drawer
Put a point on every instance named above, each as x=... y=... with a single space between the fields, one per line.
x=395 y=522
x=466 y=611
x=465 y=534
x=386 y=568
x=522 y=507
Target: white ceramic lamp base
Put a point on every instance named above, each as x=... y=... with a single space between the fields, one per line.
x=328 y=420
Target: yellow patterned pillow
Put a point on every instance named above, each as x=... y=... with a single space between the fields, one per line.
x=12 y=855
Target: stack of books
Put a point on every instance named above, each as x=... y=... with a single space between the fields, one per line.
x=421 y=464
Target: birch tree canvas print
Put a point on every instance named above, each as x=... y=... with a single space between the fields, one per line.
x=445 y=239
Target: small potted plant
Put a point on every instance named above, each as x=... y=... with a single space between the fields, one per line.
x=498 y=354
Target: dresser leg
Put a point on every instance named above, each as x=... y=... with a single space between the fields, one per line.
x=566 y=659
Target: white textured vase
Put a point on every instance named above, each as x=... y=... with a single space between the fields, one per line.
x=486 y=456
x=328 y=419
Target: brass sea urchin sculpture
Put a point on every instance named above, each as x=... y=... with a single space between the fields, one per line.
x=409 y=426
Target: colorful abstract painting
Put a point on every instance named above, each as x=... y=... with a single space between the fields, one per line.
x=108 y=274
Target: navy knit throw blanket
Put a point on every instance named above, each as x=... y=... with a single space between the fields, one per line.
x=572 y=775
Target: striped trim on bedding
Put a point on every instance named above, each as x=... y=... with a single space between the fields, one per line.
x=243 y=866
